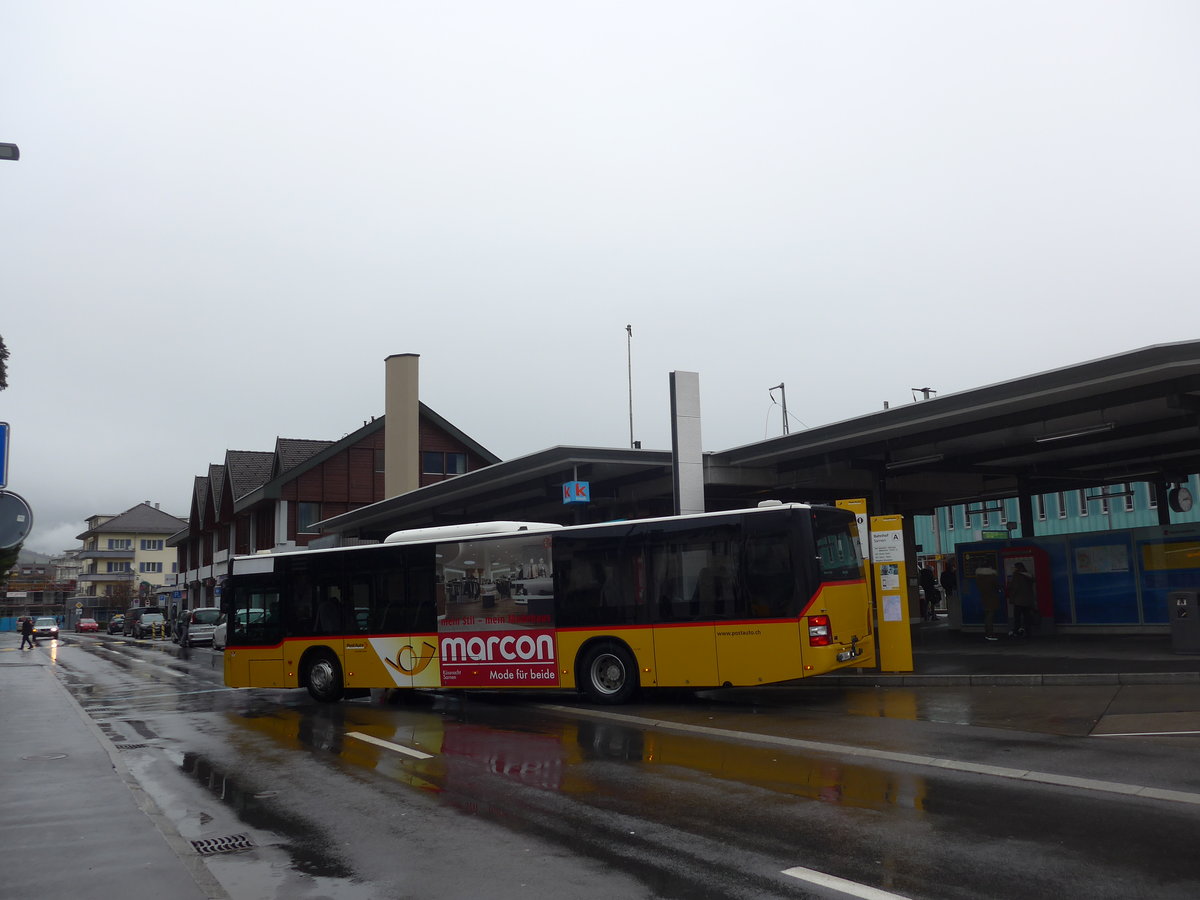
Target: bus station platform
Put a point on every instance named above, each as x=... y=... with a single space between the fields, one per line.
x=943 y=656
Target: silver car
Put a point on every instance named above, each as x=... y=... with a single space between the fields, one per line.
x=197 y=626
x=45 y=627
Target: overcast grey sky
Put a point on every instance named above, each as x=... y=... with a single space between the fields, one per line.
x=227 y=214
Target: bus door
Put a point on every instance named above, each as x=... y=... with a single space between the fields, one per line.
x=360 y=661
x=760 y=642
x=684 y=652
x=253 y=635
x=392 y=635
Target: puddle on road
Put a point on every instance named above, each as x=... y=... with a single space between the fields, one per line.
x=305 y=844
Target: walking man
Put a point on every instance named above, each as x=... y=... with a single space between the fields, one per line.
x=27 y=632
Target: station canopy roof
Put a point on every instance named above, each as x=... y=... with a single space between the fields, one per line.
x=1119 y=419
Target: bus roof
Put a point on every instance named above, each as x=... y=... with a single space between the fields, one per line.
x=261 y=561
x=465 y=530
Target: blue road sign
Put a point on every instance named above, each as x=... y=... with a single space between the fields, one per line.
x=3 y=455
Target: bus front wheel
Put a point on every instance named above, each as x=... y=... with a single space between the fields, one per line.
x=609 y=673
x=323 y=678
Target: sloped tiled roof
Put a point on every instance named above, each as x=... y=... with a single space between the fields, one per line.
x=216 y=483
x=291 y=452
x=248 y=470
x=140 y=519
x=199 y=492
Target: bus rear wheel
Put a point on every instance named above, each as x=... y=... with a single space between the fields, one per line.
x=609 y=673
x=323 y=677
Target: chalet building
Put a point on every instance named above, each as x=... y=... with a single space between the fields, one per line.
x=256 y=501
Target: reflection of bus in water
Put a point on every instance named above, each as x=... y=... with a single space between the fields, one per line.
x=740 y=598
x=458 y=754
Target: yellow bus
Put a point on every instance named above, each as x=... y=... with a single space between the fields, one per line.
x=739 y=598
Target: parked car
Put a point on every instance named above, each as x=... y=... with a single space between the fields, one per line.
x=45 y=626
x=135 y=614
x=116 y=625
x=197 y=626
x=248 y=619
x=87 y=625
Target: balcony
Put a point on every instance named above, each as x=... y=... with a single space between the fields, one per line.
x=109 y=577
x=106 y=554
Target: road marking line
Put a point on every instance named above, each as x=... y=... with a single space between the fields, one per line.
x=1145 y=733
x=853 y=888
x=1109 y=787
x=388 y=745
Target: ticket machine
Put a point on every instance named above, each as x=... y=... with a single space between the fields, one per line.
x=1037 y=564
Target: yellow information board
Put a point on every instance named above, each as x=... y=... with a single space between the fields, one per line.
x=890 y=578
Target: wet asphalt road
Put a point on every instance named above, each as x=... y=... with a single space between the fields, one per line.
x=928 y=792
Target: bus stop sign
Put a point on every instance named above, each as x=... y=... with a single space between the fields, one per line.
x=15 y=519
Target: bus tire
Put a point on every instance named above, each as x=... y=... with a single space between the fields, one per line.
x=609 y=673
x=323 y=677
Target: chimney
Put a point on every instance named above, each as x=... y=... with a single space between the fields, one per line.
x=401 y=427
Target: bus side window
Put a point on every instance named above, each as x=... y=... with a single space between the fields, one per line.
x=390 y=611
x=767 y=575
x=361 y=602
x=420 y=610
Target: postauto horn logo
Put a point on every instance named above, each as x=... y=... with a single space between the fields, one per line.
x=410 y=662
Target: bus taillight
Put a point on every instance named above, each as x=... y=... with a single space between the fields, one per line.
x=819 y=633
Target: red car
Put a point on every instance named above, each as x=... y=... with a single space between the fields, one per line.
x=87 y=625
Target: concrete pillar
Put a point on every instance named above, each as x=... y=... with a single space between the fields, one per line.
x=688 y=475
x=402 y=425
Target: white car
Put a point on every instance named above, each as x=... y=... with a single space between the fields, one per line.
x=247 y=617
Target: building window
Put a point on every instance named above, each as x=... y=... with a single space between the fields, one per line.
x=987 y=519
x=1128 y=498
x=114 y=568
x=434 y=462
x=949 y=518
x=1003 y=512
x=306 y=515
x=150 y=567
x=152 y=545
x=1040 y=500
x=1062 y=505
x=380 y=460
x=1083 y=503
x=120 y=543
x=1151 y=496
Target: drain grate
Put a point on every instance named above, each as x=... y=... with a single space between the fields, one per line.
x=131 y=746
x=229 y=844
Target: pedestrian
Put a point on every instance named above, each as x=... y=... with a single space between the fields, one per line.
x=1021 y=595
x=949 y=581
x=27 y=633
x=988 y=583
x=928 y=582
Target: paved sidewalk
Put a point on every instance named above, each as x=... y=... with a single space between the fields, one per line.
x=74 y=823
